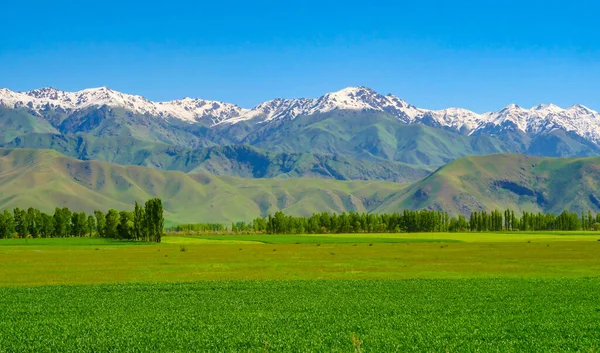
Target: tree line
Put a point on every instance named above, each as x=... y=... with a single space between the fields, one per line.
x=144 y=223
x=200 y=228
x=404 y=222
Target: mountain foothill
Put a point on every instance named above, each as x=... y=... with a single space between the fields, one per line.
x=351 y=150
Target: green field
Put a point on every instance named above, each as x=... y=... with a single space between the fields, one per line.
x=28 y=262
x=392 y=292
x=320 y=316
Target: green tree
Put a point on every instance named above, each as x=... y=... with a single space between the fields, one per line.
x=91 y=225
x=154 y=219
x=125 y=226
x=34 y=222
x=21 y=226
x=47 y=229
x=138 y=222
x=112 y=221
x=7 y=225
x=78 y=224
x=100 y=223
x=62 y=222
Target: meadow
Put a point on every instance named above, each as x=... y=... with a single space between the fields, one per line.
x=349 y=292
x=551 y=315
x=27 y=262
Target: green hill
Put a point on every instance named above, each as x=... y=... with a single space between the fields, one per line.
x=371 y=136
x=238 y=160
x=15 y=123
x=503 y=180
x=46 y=179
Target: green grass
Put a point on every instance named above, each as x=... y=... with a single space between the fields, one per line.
x=391 y=237
x=66 y=242
x=341 y=257
x=318 y=239
x=424 y=292
x=504 y=315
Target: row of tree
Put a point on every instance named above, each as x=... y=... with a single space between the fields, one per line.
x=406 y=221
x=200 y=228
x=422 y=221
x=145 y=223
x=495 y=221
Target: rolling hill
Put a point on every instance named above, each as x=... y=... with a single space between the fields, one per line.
x=45 y=179
x=502 y=181
x=237 y=160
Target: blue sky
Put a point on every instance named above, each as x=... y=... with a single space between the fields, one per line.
x=474 y=54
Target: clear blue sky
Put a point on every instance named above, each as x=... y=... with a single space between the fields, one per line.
x=433 y=54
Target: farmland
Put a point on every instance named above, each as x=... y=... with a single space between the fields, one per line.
x=385 y=316
x=308 y=257
x=343 y=292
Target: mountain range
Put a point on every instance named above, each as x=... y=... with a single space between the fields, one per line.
x=216 y=161
x=540 y=119
x=340 y=135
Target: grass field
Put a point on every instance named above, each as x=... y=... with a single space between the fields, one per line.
x=393 y=292
x=410 y=237
x=28 y=262
x=320 y=316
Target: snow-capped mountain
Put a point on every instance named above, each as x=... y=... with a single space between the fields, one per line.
x=350 y=98
x=540 y=119
x=187 y=109
x=545 y=118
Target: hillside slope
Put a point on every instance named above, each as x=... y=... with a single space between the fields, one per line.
x=370 y=136
x=15 y=123
x=46 y=179
x=502 y=180
x=238 y=160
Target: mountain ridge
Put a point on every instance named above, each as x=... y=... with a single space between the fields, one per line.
x=236 y=160
x=540 y=119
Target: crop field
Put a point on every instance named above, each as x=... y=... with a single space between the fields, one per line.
x=27 y=262
x=343 y=293
x=554 y=315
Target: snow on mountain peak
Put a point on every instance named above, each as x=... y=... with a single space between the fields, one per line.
x=547 y=107
x=45 y=92
x=512 y=107
x=350 y=98
x=186 y=109
x=580 y=109
x=539 y=119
